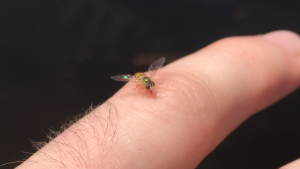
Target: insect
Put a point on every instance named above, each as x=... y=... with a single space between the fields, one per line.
x=141 y=78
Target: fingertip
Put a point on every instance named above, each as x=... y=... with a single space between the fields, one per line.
x=288 y=40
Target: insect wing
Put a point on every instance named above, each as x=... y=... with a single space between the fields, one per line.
x=156 y=65
x=122 y=78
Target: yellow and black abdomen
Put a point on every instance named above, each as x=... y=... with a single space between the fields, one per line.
x=143 y=79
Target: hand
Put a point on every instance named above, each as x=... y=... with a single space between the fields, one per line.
x=201 y=98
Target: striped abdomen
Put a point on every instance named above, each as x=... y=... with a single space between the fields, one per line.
x=141 y=78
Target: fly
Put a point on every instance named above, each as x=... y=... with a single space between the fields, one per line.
x=141 y=78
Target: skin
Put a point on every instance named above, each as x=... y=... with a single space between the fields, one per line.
x=197 y=101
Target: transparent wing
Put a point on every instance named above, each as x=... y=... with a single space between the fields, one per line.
x=156 y=65
x=123 y=78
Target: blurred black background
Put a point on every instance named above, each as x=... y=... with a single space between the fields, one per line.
x=56 y=58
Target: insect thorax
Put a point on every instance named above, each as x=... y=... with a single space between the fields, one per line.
x=139 y=76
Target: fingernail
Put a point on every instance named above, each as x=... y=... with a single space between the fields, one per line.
x=288 y=40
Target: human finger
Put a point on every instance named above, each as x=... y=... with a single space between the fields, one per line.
x=201 y=98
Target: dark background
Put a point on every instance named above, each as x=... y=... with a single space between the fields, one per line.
x=56 y=58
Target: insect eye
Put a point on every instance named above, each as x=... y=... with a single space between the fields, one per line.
x=152 y=83
x=147 y=84
x=147 y=87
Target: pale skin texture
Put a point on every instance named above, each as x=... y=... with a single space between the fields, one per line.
x=199 y=100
